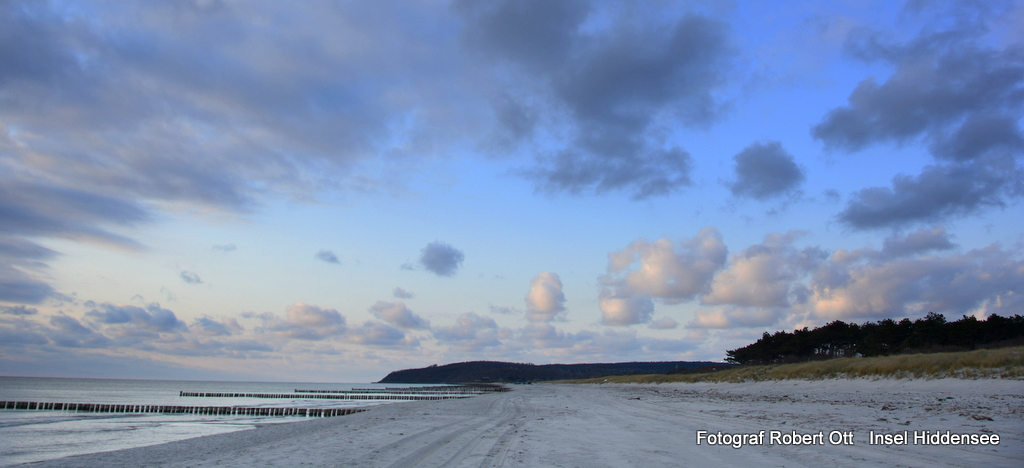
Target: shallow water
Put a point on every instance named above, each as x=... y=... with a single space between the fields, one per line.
x=34 y=435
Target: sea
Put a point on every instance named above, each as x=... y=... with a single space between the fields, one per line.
x=37 y=435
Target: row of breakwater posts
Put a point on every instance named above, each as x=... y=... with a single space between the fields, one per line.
x=165 y=409
x=445 y=390
x=391 y=393
x=324 y=396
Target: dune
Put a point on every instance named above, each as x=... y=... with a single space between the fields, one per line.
x=648 y=425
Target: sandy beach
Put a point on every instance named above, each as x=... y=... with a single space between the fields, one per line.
x=632 y=425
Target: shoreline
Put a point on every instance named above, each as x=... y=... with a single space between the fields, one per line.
x=628 y=425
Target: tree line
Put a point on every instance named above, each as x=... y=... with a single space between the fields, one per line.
x=840 y=339
x=491 y=371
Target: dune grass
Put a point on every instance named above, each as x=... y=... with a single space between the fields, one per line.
x=1004 y=363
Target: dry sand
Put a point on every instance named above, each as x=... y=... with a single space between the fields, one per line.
x=626 y=425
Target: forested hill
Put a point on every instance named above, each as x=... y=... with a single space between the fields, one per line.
x=885 y=337
x=491 y=371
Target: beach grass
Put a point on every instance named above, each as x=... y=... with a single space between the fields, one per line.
x=1003 y=363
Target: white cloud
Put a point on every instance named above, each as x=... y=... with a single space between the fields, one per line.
x=736 y=317
x=917 y=242
x=859 y=287
x=671 y=271
x=545 y=335
x=622 y=307
x=397 y=314
x=213 y=327
x=763 y=274
x=545 y=300
x=472 y=332
x=152 y=318
x=309 y=322
x=379 y=334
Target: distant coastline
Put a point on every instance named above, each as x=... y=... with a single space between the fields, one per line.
x=511 y=372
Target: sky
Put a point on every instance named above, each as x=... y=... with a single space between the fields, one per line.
x=326 y=191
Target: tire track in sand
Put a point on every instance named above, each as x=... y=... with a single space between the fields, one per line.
x=460 y=448
x=457 y=443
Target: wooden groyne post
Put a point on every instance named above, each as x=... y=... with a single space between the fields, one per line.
x=322 y=396
x=172 y=409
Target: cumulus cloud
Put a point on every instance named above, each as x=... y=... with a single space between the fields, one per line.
x=130 y=330
x=623 y=307
x=737 y=317
x=191 y=277
x=606 y=84
x=917 y=242
x=534 y=33
x=68 y=332
x=400 y=293
x=441 y=259
x=211 y=327
x=545 y=300
x=860 y=286
x=944 y=78
x=950 y=89
x=980 y=136
x=397 y=314
x=69 y=325
x=765 y=170
x=672 y=271
x=379 y=334
x=328 y=256
x=776 y=282
x=308 y=322
x=545 y=335
x=152 y=317
x=472 y=332
x=763 y=275
x=939 y=192
x=589 y=346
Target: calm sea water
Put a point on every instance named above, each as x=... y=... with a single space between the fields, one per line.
x=27 y=436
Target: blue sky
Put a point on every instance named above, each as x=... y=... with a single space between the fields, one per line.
x=330 y=191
